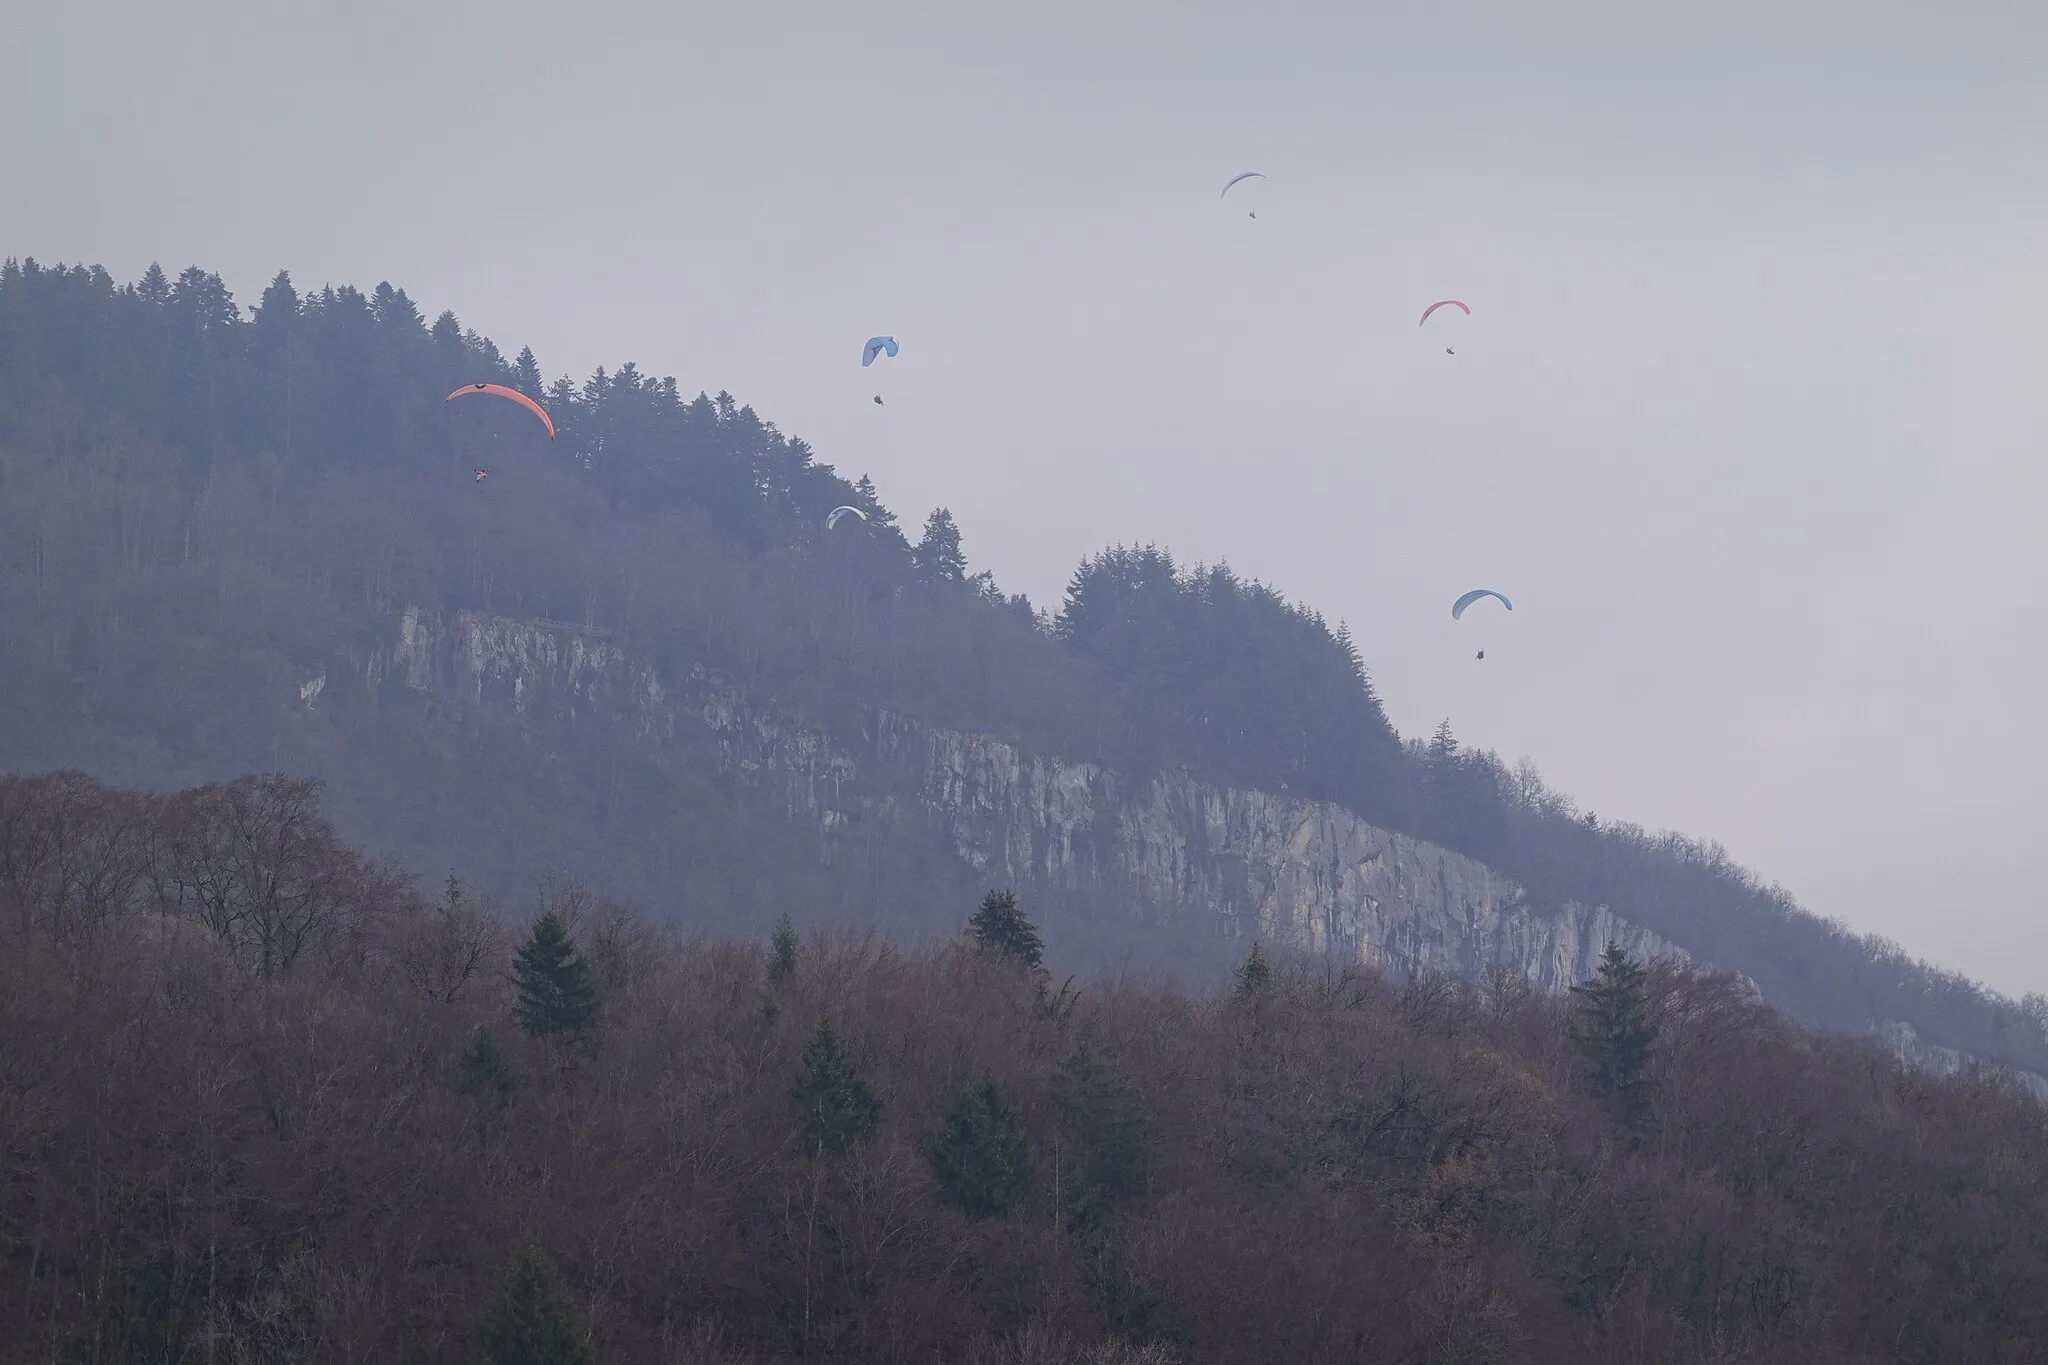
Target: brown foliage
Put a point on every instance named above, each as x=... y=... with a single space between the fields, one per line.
x=230 y=1129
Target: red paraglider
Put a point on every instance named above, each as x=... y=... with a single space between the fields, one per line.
x=515 y=395
x=1439 y=304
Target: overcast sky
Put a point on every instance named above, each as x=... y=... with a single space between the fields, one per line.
x=1750 y=417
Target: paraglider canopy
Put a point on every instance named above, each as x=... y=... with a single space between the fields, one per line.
x=500 y=391
x=1441 y=303
x=877 y=346
x=1242 y=175
x=832 y=519
x=1458 y=607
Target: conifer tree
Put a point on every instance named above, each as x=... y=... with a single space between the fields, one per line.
x=938 y=556
x=531 y=1321
x=980 y=1155
x=783 y=947
x=1255 y=977
x=869 y=499
x=483 y=1072
x=555 y=994
x=1108 y=1131
x=1001 y=928
x=1615 y=1033
x=526 y=375
x=836 y=1105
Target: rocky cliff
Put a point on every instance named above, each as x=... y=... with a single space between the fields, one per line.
x=1189 y=861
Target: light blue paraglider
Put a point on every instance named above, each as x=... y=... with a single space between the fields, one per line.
x=877 y=346
x=1458 y=607
x=832 y=519
x=1242 y=175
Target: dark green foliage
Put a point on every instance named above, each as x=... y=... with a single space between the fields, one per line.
x=836 y=1106
x=1615 y=1033
x=979 y=1155
x=555 y=993
x=483 y=1072
x=937 y=557
x=1462 y=804
x=1231 y=670
x=1107 y=1133
x=531 y=1322
x=999 y=927
x=783 y=946
x=1255 y=977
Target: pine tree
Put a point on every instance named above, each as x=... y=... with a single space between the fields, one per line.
x=555 y=994
x=1000 y=927
x=783 y=947
x=1615 y=1033
x=1255 y=977
x=836 y=1105
x=937 y=557
x=980 y=1155
x=532 y=1322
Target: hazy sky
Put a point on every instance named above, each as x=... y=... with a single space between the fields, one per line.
x=1750 y=417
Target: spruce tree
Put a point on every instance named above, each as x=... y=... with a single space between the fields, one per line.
x=1000 y=927
x=555 y=994
x=783 y=946
x=483 y=1073
x=1255 y=977
x=526 y=375
x=979 y=1155
x=1615 y=1033
x=531 y=1322
x=1109 y=1133
x=937 y=557
x=836 y=1105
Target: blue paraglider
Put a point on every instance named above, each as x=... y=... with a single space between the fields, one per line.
x=838 y=512
x=1458 y=607
x=877 y=346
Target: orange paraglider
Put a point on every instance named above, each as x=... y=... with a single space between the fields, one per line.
x=515 y=395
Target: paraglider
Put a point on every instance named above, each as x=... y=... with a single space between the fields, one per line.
x=832 y=519
x=481 y=475
x=500 y=391
x=877 y=346
x=1458 y=607
x=1480 y=655
x=1243 y=175
x=1441 y=303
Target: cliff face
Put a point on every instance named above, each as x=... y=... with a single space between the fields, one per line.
x=1183 y=859
x=1169 y=851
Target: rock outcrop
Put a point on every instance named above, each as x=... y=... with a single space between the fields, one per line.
x=1194 y=860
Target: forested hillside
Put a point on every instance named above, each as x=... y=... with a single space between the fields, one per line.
x=261 y=1100
x=197 y=499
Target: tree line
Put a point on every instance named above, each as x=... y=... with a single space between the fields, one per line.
x=201 y=501
x=420 y=1126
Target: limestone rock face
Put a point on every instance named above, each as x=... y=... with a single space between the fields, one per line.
x=1186 y=856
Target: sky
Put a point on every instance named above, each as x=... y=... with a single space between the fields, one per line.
x=1748 y=418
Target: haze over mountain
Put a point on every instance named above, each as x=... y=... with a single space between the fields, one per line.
x=1747 y=417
